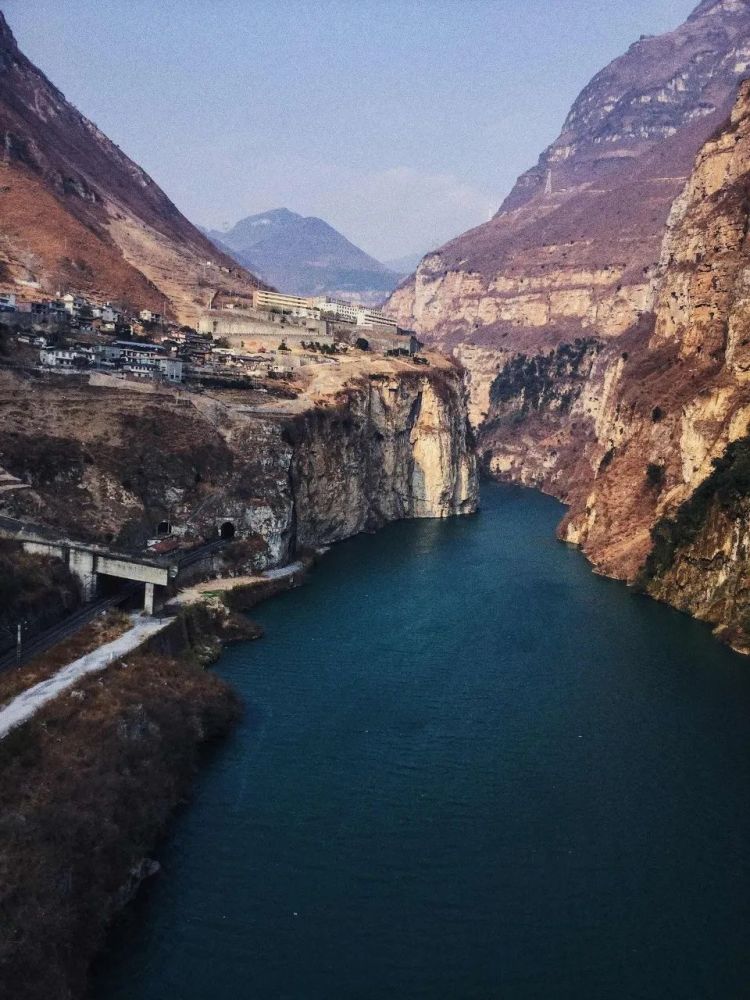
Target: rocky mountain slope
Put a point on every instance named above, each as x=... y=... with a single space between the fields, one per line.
x=369 y=440
x=573 y=250
x=76 y=214
x=603 y=315
x=646 y=435
x=305 y=256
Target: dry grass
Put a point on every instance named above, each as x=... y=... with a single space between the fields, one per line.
x=101 y=630
x=86 y=789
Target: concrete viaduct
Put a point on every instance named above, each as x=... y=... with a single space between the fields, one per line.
x=88 y=562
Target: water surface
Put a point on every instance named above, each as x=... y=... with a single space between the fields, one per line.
x=469 y=769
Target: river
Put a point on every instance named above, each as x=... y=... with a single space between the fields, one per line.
x=469 y=768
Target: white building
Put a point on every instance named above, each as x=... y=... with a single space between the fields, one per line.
x=64 y=359
x=340 y=308
x=7 y=302
x=145 y=360
x=374 y=318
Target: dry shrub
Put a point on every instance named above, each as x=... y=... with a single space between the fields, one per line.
x=86 y=788
x=104 y=628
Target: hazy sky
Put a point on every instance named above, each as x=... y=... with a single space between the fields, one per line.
x=401 y=122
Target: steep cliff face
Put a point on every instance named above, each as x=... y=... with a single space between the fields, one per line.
x=77 y=214
x=700 y=560
x=603 y=317
x=385 y=441
x=574 y=249
x=645 y=436
x=684 y=393
x=392 y=448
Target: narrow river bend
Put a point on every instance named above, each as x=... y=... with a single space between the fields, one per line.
x=469 y=769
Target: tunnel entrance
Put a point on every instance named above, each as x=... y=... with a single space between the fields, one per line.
x=226 y=531
x=164 y=528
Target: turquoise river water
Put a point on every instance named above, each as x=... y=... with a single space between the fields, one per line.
x=469 y=768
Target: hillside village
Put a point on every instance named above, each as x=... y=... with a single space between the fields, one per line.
x=274 y=338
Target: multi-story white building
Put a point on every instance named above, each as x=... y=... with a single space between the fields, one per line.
x=65 y=359
x=373 y=317
x=297 y=304
x=340 y=308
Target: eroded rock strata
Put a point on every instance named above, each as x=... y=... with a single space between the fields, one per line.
x=646 y=438
x=603 y=318
x=376 y=441
x=573 y=250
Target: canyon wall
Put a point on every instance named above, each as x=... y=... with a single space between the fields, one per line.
x=602 y=317
x=574 y=249
x=646 y=436
x=387 y=441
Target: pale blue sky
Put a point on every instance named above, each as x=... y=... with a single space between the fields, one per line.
x=401 y=122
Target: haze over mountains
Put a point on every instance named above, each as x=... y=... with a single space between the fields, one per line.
x=78 y=215
x=305 y=256
x=574 y=247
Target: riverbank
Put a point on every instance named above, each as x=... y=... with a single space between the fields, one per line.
x=87 y=787
x=468 y=767
x=95 y=757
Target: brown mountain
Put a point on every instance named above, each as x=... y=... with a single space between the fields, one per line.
x=647 y=435
x=573 y=250
x=76 y=214
x=604 y=315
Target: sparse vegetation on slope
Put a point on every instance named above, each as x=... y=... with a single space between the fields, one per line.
x=728 y=483
x=33 y=589
x=86 y=788
x=543 y=379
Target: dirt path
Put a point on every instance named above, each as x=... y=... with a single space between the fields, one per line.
x=27 y=704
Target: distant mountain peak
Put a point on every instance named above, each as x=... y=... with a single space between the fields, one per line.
x=273 y=215
x=305 y=255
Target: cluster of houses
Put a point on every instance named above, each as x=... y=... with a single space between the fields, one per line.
x=73 y=312
x=296 y=320
x=275 y=337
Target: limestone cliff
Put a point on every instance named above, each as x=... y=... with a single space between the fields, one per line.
x=603 y=317
x=370 y=440
x=651 y=450
x=573 y=251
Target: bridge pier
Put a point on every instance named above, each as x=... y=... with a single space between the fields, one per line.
x=82 y=564
x=88 y=562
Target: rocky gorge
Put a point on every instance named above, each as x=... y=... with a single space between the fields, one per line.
x=604 y=322
x=369 y=440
